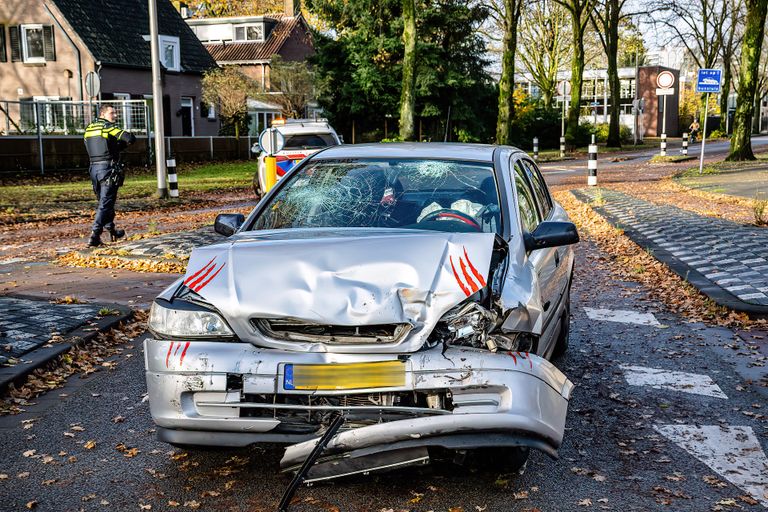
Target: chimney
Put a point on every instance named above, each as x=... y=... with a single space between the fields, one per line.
x=288 y=7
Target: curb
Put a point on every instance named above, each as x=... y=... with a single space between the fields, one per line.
x=80 y=336
x=719 y=295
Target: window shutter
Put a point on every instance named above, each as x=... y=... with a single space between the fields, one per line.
x=15 y=44
x=49 y=45
x=3 y=55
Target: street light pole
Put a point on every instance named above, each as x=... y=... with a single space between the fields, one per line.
x=157 y=102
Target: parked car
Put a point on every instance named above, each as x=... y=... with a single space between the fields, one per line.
x=420 y=290
x=302 y=138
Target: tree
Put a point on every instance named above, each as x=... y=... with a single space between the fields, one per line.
x=291 y=86
x=223 y=8
x=580 y=14
x=606 y=16
x=228 y=88
x=543 y=45
x=751 y=48
x=408 y=89
x=730 y=35
x=508 y=15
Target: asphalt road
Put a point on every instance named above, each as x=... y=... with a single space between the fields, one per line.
x=628 y=446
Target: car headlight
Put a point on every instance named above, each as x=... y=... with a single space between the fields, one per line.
x=186 y=321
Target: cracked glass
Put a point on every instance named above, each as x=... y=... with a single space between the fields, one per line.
x=438 y=195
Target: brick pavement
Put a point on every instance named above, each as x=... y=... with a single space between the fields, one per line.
x=28 y=324
x=725 y=260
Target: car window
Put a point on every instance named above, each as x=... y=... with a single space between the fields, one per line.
x=439 y=195
x=539 y=188
x=529 y=216
x=309 y=141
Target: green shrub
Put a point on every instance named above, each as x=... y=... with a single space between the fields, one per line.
x=601 y=132
x=717 y=134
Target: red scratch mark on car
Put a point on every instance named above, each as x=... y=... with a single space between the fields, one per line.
x=477 y=274
x=203 y=285
x=526 y=355
x=458 y=279
x=168 y=355
x=194 y=276
x=513 y=357
x=470 y=282
x=183 y=353
x=177 y=350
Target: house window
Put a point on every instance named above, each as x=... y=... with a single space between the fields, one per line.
x=249 y=32
x=32 y=44
x=3 y=55
x=169 y=53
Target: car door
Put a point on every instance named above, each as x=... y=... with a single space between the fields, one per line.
x=546 y=208
x=543 y=260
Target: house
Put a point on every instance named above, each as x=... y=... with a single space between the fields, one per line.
x=250 y=42
x=48 y=47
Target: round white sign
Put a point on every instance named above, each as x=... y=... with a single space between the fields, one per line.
x=92 y=84
x=665 y=80
x=564 y=88
x=271 y=141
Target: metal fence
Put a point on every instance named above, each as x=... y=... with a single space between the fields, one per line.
x=51 y=117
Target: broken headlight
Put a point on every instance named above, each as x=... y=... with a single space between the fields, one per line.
x=181 y=319
x=470 y=324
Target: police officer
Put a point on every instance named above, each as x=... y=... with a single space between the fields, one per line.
x=104 y=142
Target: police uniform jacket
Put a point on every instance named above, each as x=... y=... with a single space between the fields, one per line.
x=105 y=140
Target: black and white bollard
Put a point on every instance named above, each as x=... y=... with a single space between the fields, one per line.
x=535 y=148
x=562 y=147
x=663 y=144
x=173 y=181
x=592 y=164
x=685 y=144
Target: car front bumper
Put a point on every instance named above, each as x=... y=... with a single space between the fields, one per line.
x=198 y=395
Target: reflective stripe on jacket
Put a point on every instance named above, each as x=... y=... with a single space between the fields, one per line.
x=105 y=140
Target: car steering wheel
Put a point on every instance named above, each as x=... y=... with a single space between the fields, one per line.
x=448 y=213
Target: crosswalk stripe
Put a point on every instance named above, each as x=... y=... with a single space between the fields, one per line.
x=658 y=378
x=733 y=452
x=622 y=316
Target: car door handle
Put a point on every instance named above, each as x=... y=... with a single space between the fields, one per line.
x=557 y=257
x=546 y=305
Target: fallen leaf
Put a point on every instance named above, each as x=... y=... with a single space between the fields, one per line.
x=522 y=495
x=172 y=503
x=77 y=428
x=49 y=482
x=118 y=419
x=90 y=445
x=586 y=502
x=25 y=474
x=192 y=504
x=29 y=453
x=31 y=504
x=145 y=507
x=749 y=500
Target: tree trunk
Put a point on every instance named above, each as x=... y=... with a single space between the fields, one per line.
x=507 y=81
x=741 y=142
x=727 y=79
x=577 y=74
x=547 y=99
x=614 y=83
x=408 y=93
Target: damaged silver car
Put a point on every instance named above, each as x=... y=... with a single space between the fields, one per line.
x=417 y=291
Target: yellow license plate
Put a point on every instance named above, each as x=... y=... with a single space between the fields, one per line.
x=380 y=374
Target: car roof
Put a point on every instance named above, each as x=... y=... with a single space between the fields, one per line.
x=425 y=150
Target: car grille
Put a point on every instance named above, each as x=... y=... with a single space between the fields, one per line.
x=294 y=330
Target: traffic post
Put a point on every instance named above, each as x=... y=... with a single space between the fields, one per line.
x=685 y=144
x=592 y=164
x=270 y=141
x=708 y=81
x=562 y=147
x=664 y=82
x=535 y=148
x=173 y=181
x=563 y=89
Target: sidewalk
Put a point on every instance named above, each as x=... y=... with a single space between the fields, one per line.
x=749 y=182
x=726 y=261
x=33 y=332
x=171 y=245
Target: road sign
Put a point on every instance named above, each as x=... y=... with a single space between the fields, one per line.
x=665 y=80
x=665 y=92
x=638 y=104
x=708 y=80
x=92 y=84
x=564 y=88
x=271 y=141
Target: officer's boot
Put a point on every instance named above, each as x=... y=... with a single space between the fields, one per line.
x=116 y=234
x=95 y=239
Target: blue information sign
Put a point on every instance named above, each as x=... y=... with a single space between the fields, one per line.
x=708 y=80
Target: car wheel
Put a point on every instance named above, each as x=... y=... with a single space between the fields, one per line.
x=561 y=345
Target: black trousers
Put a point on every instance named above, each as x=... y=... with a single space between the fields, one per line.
x=106 y=193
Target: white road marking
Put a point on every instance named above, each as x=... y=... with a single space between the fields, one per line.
x=732 y=452
x=622 y=316
x=11 y=260
x=657 y=378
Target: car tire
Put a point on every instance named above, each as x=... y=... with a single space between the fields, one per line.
x=561 y=345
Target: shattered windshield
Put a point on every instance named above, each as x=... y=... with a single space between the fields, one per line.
x=437 y=195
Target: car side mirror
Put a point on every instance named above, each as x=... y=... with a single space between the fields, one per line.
x=227 y=223
x=551 y=234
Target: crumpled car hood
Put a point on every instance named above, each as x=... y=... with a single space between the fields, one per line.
x=345 y=277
